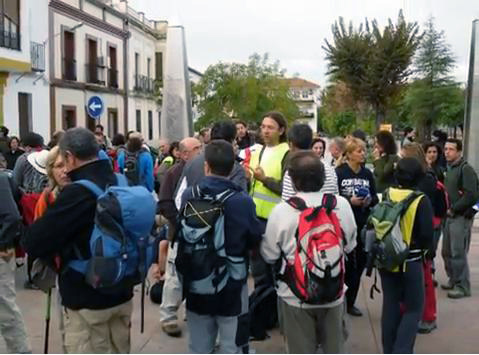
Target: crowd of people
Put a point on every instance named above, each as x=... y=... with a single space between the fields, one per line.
x=302 y=215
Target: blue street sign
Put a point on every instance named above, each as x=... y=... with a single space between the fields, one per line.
x=95 y=106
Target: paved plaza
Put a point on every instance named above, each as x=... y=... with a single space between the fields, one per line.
x=458 y=321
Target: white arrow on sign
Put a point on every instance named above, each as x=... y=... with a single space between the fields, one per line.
x=94 y=106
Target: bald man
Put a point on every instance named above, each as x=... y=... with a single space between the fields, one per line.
x=172 y=291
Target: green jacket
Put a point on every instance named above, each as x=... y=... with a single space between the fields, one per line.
x=462 y=186
x=384 y=171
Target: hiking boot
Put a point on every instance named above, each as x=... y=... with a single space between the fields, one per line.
x=458 y=292
x=171 y=328
x=426 y=327
x=354 y=311
x=448 y=286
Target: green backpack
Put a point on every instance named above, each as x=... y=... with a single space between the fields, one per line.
x=385 y=243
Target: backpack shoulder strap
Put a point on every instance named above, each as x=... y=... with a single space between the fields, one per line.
x=90 y=186
x=225 y=195
x=121 y=180
x=410 y=199
x=297 y=203
x=329 y=202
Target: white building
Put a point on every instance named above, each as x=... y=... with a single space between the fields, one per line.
x=306 y=95
x=24 y=89
x=146 y=50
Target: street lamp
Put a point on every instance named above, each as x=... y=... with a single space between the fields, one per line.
x=71 y=29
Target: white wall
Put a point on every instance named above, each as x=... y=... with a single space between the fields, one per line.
x=34 y=24
x=144 y=105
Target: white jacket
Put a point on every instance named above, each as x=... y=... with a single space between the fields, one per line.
x=280 y=236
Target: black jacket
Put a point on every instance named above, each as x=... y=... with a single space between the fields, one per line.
x=67 y=223
x=12 y=157
x=10 y=219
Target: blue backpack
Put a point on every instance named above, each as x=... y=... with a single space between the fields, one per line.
x=122 y=246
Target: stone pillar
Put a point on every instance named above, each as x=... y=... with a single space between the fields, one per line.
x=3 y=84
x=471 y=120
x=176 y=115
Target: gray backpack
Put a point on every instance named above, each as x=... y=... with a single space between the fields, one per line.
x=202 y=263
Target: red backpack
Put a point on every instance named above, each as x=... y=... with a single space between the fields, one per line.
x=316 y=276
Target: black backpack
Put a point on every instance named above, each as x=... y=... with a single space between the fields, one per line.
x=263 y=311
x=131 y=169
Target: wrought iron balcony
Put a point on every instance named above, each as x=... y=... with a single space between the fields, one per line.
x=37 y=54
x=69 y=69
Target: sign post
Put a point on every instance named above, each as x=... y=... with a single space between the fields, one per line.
x=95 y=107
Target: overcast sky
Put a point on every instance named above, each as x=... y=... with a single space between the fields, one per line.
x=293 y=31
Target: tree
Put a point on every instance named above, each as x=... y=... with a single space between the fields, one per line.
x=374 y=64
x=245 y=91
x=434 y=97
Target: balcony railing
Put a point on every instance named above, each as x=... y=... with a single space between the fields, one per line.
x=112 y=78
x=94 y=73
x=144 y=84
x=10 y=40
x=37 y=53
x=69 y=69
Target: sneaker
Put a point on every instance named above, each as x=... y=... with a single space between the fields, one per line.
x=426 y=327
x=354 y=311
x=448 y=286
x=171 y=328
x=30 y=286
x=458 y=292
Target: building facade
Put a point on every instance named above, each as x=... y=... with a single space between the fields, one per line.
x=88 y=57
x=147 y=46
x=306 y=94
x=24 y=86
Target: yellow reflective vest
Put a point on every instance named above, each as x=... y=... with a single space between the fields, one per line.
x=264 y=198
x=407 y=221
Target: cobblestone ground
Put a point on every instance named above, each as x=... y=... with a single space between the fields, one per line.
x=458 y=322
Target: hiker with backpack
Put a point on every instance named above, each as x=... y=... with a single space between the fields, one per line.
x=435 y=191
x=12 y=326
x=193 y=173
x=172 y=295
x=462 y=186
x=400 y=234
x=43 y=276
x=218 y=226
x=308 y=236
x=136 y=163
x=356 y=183
x=95 y=284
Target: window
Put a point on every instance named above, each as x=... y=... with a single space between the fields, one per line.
x=305 y=94
x=159 y=66
x=112 y=122
x=112 y=69
x=24 y=113
x=69 y=62
x=138 y=121
x=69 y=117
x=148 y=68
x=10 y=24
x=150 y=125
x=137 y=70
x=92 y=65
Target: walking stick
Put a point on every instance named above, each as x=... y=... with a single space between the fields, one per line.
x=47 y=321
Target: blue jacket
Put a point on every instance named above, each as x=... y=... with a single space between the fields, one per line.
x=243 y=232
x=145 y=165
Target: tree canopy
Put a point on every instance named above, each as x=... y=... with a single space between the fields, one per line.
x=373 y=63
x=245 y=91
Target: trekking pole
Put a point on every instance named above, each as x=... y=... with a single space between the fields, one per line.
x=47 y=321
x=142 y=327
